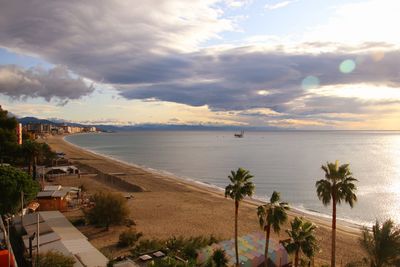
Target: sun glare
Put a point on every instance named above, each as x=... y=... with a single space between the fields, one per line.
x=361 y=91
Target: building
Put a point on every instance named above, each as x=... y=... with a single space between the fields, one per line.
x=19 y=133
x=57 y=233
x=38 y=128
x=57 y=197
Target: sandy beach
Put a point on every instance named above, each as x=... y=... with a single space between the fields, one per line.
x=169 y=206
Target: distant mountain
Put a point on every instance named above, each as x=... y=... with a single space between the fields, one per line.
x=27 y=120
x=148 y=127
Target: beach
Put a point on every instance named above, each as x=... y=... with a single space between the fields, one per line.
x=167 y=206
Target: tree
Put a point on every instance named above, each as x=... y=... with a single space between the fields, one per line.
x=272 y=214
x=382 y=244
x=31 y=151
x=240 y=187
x=337 y=186
x=301 y=239
x=8 y=135
x=109 y=208
x=55 y=258
x=36 y=153
x=12 y=182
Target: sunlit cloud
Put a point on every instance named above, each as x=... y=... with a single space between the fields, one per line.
x=278 y=5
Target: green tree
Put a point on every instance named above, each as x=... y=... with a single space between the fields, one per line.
x=8 y=135
x=55 y=258
x=382 y=244
x=337 y=187
x=109 y=209
x=301 y=239
x=272 y=214
x=240 y=187
x=12 y=182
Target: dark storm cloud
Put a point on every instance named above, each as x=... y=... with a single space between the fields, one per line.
x=55 y=83
x=139 y=48
x=231 y=80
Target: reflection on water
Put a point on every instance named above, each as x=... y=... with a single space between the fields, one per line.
x=285 y=161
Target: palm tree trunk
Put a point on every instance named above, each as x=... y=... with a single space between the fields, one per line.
x=30 y=166
x=267 y=234
x=333 y=255
x=296 y=258
x=34 y=168
x=236 y=232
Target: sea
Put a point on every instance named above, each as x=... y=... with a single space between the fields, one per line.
x=285 y=161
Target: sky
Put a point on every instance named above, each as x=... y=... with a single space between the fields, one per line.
x=298 y=64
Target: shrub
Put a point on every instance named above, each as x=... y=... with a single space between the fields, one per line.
x=109 y=209
x=175 y=246
x=129 y=238
x=55 y=258
x=219 y=258
x=147 y=245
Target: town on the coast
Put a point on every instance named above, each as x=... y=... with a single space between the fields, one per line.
x=53 y=208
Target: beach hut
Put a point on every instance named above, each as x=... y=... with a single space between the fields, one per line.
x=251 y=251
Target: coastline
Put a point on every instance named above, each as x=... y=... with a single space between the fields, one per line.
x=352 y=226
x=191 y=207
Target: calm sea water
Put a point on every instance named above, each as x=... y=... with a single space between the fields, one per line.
x=286 y=161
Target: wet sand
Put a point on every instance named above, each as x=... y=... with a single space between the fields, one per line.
x=169 y=206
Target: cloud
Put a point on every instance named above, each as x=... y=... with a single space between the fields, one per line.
x=233 y=79
x=150 y=50
x=56 y=83
x=279 y=5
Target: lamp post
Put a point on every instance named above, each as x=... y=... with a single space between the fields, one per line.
x=30 y=247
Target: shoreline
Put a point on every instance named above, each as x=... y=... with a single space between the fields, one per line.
x=256 y=200
x=170 y=205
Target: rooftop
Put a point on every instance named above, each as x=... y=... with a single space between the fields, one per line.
x=57 y=233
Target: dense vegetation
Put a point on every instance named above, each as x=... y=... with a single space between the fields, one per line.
x=13 y=181
x=8 y=137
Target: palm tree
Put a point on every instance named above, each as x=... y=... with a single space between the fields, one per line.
x=240 y=187
x=301 y=239
x=337 y=186
x=31 y=151
x=272 y=214
x=382 y=245
x=219 y=258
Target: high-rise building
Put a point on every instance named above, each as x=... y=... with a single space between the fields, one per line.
x=19 y=133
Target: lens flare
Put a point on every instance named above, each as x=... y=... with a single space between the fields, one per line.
x=310 y=82
x=347 y=66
